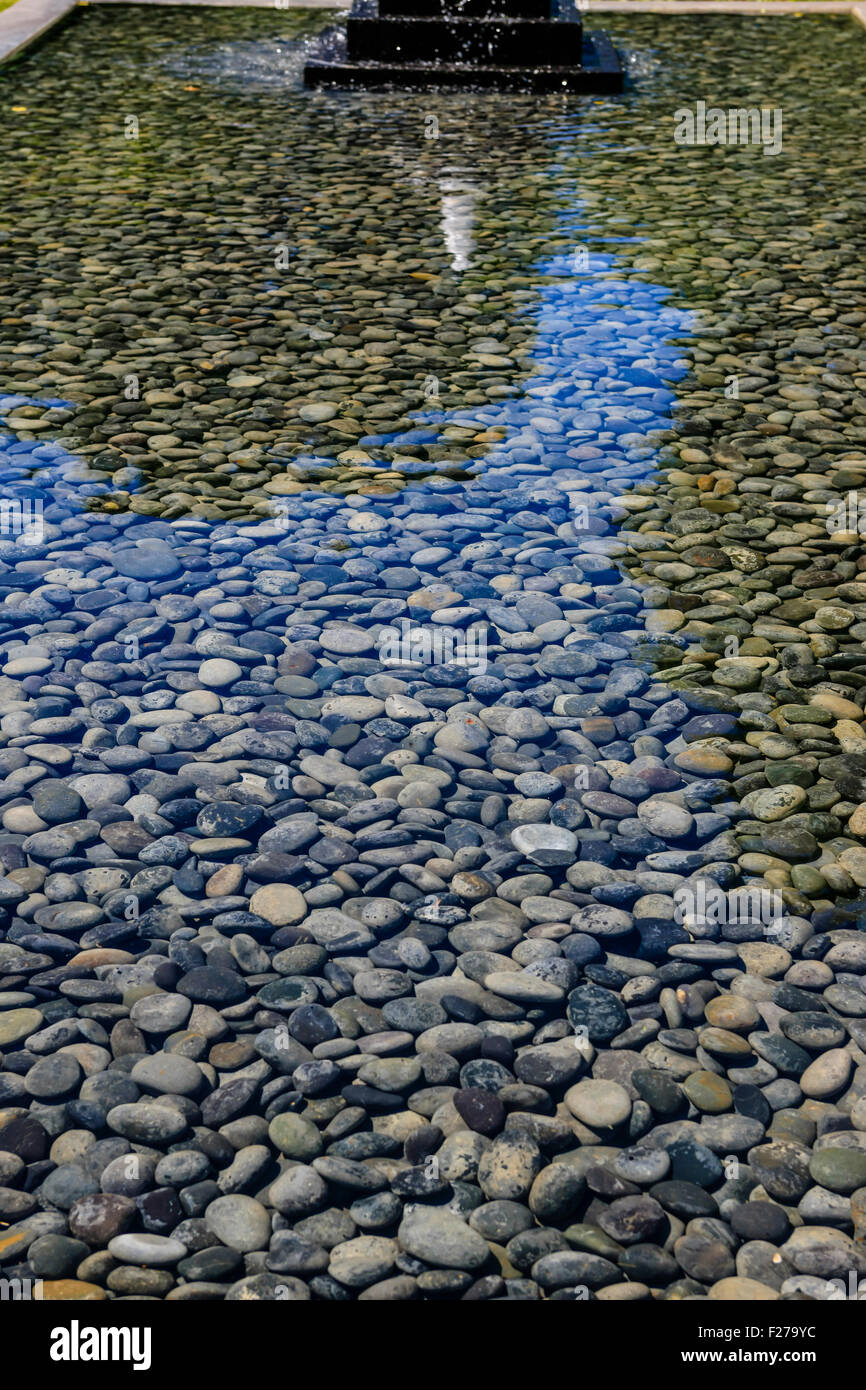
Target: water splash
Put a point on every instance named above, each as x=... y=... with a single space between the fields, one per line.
x=245 y=65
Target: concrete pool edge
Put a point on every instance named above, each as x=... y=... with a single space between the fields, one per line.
x=28 y=20
x=25 y=22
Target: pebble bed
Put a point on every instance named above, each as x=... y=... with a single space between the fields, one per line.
x=329 y=976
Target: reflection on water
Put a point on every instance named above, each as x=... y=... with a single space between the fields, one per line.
x=602 y=368
x=600 y=387
x=458 y=218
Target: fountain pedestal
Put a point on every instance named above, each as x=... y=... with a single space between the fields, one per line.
x=510 y=45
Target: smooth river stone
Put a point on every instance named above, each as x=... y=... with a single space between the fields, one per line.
x=150 y=1250
x=827 y=1075
x=599 y=1104
x=438 y=1237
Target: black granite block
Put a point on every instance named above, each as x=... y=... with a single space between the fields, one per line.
x=467 y=9
x=511 y=45
x=490 y=42
x=599 y=71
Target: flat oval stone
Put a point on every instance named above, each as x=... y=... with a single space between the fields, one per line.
x=814 y=1031
x=781 y=1053
x=659 y=1090
x=602 y=921
x=240 y=1222
x=684 y=1199
x=708 y=1092
x=692 y=1162
x=630 y=1220
x=737 y=1289
x=509 y=1167
x=783 y=1170
x=147 y=1123
x=167 y=1073
x=438 y=1237
x=599 y=1104
x=761 y=1221
x=523 y=987
x=18 y=1024
x=363 y=1260
x=599 y=1011
x=53 y=1077
x=726 y=1134
x=733 y=1013
x=72 y=1291
x=840 y=1170
x=212 y=985
x=641 y=1165
x=480 y=1109
x=828 y=1075
x=160 y=1013
x=545 y=844
x=150 y=1250
x=719 y=1042
x=574 y=1268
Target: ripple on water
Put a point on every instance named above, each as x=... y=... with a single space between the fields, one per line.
x=246 y=65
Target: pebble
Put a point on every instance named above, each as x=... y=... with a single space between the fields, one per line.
x=599 y=1104
x=150 y=1250
x=439 y=1238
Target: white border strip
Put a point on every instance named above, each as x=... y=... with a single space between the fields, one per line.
x=241 y=4
x=671 y=7
x=757 y=7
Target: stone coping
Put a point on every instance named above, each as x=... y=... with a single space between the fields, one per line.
x=672 y=7
x=24 y=22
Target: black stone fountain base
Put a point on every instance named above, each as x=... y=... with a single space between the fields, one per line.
x=530 y=45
